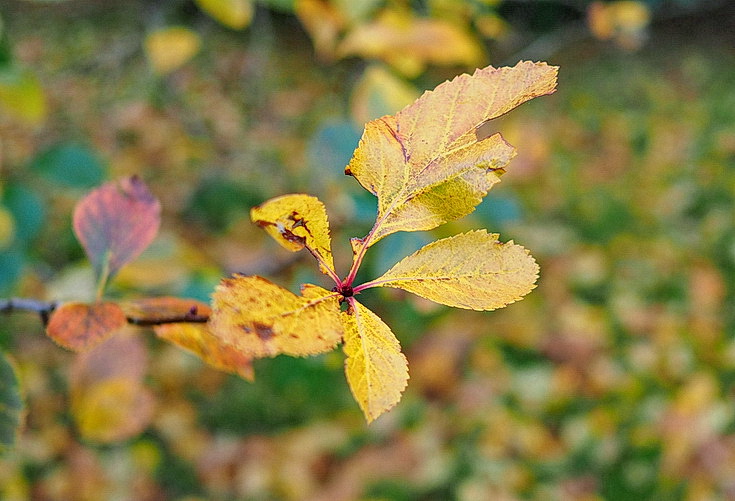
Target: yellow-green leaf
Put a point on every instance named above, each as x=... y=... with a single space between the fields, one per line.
x=22 y=96
x=297 y=221
x=235 y=14
x=261 y=319
x=376 y=370
x=198 y=339
x=471 y=270
x=169 y=48
x=431 y=151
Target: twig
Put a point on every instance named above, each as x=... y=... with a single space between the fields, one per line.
x=45 y=308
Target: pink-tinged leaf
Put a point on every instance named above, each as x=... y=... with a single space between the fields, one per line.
x=81 y=326
x=116 y=222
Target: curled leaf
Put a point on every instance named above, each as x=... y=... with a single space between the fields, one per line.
x=198 y=339
x=81 y=326
x=471 y=270
x=297 y=221
x=116 y=222
x=376 y=370
x=164 y=309
x=431 y=150
x=261 y=319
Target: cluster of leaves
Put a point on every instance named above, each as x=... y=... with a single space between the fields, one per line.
x=427 y=165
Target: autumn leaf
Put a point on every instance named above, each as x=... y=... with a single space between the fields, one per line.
x=198 y=339
x=115 y=223
x=108 y=399
x=235 y=14
x=11 y=404
x=408 y=43
x=376 y=370
x=169 y=48
x=261 y=319
x=157 y=310
x=472 y=270
x=298 y=221
x=81 y=326
x=427 y=164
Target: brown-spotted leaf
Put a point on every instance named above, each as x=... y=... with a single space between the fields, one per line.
x=472 y=270
x=297 y=221
x=261 y=319
x=165 y=309
x=198 y=339
x=108 y=399
x=376 y=370
x=116 y=222
x=81 y=326
x=430 y=152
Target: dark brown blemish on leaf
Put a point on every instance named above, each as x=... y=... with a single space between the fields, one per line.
x=264 y=332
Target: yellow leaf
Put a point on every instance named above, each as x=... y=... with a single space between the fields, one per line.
x=376 y=370
x=323 y=22
x=198 y=339
x=298 y=221
x=235 y=14
x=408 y=43
x=472 y=270
x=112 y=409
x=22 y=96
x=170 y=48
x=7 y=228
x=379 y=92
x=431 y=150
x=261 y=319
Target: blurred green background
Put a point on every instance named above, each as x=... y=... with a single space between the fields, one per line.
x=614 y=379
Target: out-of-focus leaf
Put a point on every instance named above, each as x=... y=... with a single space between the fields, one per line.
x=198 y=339
x=379 y=92
x=376 y=370
x=235 y=14
x=428 y=164
x=70 y=165
x=624 y=21
x=11 y=266
x=298 y=221
x=21 y=95
x=109 y=401
x=170 y=48
x=323 y=21
x=153 y=310
x=116 y=222
x=11 y=404
x=7 y=228
x=81 y=326
x=409 y=43
x=261 y=319
x=471 y=270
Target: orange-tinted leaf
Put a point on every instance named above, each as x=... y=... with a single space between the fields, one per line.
x=198 y=339
x=297 y=221
x=116 y=222
x=80 y=326
x=156 y=310
x=109 y=401
x=261 y=319
x=430 y=153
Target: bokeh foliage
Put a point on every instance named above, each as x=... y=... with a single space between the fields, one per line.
x=613 y=380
